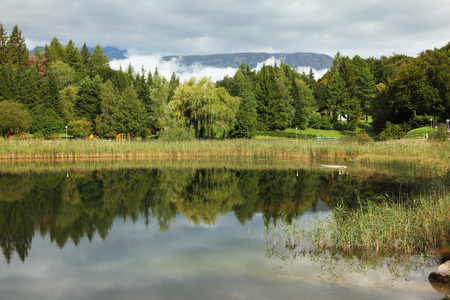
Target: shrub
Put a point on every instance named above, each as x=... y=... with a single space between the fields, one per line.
x=47 y=123
x=319 y=122
x=392 y=131
x=441 y=135
x=177 y=133
x=79 y=128
x=362 y=138
x=419 y=121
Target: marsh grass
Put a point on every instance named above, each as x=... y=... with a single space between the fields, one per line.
x=420 y=226
x=423 y=153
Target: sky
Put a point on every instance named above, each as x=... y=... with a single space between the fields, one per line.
x=369 y=28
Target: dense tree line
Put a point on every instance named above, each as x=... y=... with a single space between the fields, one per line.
x=68 y=86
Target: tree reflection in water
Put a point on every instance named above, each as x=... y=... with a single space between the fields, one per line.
x=79 y=204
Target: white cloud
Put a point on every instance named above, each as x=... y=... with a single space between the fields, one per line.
x=167 y=68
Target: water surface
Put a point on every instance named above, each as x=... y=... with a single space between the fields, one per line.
x=189 y=233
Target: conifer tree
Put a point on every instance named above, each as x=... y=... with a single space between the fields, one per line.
x=109 y=98
x=86 y=58
x=99 y=60
x=55 y=51
x=160 y=111
x=73 y=56
x=366 y=90
x=131 y=113
x=51 y=95
x=16 y=49
x=246 y=117
x=3 y=43
x=87 y=103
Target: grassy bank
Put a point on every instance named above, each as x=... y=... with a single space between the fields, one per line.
x=429 y=154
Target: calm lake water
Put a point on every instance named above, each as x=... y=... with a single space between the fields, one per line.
x=192 y=233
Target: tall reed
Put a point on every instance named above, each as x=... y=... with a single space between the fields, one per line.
x=426 y=153
x=382 y=229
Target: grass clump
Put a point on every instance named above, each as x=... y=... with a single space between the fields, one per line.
x=418 y=227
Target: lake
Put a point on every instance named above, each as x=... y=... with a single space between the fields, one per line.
x=193 y=231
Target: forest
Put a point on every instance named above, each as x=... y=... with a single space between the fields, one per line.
x=66 y=87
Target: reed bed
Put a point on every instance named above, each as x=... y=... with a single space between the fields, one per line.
x=389 y=227
x=420 y=227
x=426 y=153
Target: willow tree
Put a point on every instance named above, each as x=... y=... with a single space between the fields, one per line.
x=208 y=110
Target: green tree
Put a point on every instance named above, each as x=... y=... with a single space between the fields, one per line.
x=210 y=111
x=109 y=97
x=86 y=58
x=68 y=96
x=64 y=74
x=366 y=91
x=16 y=49
x=303 y=98
x=15 y=118
x=338 y=95
x=55 y=51
x=241 y=86
x=51 y=95
x=73 y=57
x=274 y=103
x=99 y=60
x=160 y=111
x=131 y=114
x=3 y=43
x=87 y=103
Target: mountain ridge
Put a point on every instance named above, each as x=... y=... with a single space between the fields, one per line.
x=233 y=60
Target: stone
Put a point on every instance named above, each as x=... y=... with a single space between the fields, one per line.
x=440 y=279
x=442 y=274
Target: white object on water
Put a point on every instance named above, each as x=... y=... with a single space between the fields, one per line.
x=333 y=166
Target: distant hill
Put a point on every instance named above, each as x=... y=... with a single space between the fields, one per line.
x=294 y=60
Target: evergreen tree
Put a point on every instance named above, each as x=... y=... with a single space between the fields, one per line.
x=338 y=95
x=131 y=113
x=246 y=117
x=5 y=78
x=366 y=90
x=86 y=58
x=173 y=84
x=99 y=60
x=142 y=89
x=109 y=98
x=55 y=51
x=30 y=86
x=73 y=56
x=160 y=111
x=263 y=93
x=87 y=103
x=16 y=49
x=274 y=104
x=303 y=100
x=51 y=95
x=3 y=43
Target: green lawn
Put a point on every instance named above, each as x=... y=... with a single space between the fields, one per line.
x=334 y=133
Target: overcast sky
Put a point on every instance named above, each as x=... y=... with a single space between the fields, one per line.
x=180 y=27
